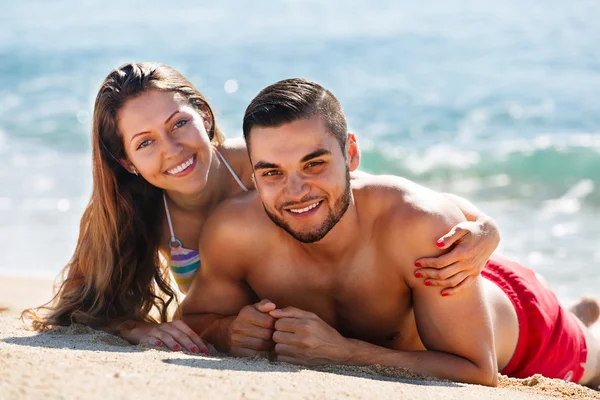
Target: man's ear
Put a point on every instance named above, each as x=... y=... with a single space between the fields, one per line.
x=353 y=152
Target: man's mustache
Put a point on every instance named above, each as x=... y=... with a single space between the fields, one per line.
x=303 y=200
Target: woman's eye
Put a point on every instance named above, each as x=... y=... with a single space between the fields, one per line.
x=180 y=123
x=144 y=143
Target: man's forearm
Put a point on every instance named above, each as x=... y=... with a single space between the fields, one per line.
x=213 y=328
x=431 y=363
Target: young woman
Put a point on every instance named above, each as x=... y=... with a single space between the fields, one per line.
x=160 y=166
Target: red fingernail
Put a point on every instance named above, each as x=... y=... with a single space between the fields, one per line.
x=195 y=349
x=158 y=343
x=417 y=264
x=445 y=294
x=439 y=243
x=204 y=350
x=418 y=275
x=177 y=347
x=427 y=283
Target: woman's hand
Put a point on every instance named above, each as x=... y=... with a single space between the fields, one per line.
x=175 y=335
x=471 y=244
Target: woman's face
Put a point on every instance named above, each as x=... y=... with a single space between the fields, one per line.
x=166 y=141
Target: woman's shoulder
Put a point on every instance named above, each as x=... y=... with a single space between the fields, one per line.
x=234 y=151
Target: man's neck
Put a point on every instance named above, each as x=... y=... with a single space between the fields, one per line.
x=207 y=198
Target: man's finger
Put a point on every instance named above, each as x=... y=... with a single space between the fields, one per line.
x=289 y=325
x=282 y=337
x=265 y=306
x=282 y=349
x=245 y=329
x=252 y=316
x=291 y=312
x=251 y=343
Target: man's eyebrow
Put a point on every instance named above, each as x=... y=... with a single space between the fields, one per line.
x=310 y=156
x=265 y=165
x=166 y=122
x=315 y=154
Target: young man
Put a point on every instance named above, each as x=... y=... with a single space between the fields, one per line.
x=333 y=253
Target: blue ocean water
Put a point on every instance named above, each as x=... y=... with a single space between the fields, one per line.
x=495 y=101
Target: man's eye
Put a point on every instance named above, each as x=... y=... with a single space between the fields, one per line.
x=314 y=164
x=144 y=143
x=271 y=173
x=180 y=123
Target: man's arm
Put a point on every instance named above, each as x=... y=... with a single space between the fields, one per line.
x=456 y=330
x=215 y=298
x=220 y=305
x=303 y=338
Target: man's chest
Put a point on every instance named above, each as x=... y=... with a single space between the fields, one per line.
x=366 y=298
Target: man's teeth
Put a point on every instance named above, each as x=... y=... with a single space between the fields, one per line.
x=305 y=209
x=181 y=166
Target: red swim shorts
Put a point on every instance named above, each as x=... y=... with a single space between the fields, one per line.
x=551 y=341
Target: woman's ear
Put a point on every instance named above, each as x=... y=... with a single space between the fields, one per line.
x=207 y=118
x=128 y=166
x=207 y=123
x=353 y=152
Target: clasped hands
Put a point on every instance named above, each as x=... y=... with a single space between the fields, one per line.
x=290 y=334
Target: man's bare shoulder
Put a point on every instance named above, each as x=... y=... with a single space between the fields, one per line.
x=236 y=228
x=397 y=195
x=407 y=217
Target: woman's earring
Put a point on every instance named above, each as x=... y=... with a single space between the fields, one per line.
x=134 y=171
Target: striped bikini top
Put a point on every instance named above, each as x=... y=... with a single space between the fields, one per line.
x=185 y=262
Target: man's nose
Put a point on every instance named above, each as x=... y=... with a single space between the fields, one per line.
x=296 y=187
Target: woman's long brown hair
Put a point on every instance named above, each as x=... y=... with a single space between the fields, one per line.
x=115 y=273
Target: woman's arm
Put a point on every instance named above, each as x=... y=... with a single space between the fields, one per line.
x=471 y=244
x=175 y=335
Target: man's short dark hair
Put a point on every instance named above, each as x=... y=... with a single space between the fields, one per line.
x=294 y=99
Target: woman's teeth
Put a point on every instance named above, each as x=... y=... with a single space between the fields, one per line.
x=181 y=166
x=305 y=209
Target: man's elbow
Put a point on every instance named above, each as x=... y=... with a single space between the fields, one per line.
x=486 y=375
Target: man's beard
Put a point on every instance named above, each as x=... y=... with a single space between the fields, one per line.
x=339 y=209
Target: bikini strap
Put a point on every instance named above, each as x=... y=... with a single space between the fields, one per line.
x=173 y=241
x=238 y=180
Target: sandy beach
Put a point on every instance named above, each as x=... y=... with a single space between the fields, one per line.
x=78 y=362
